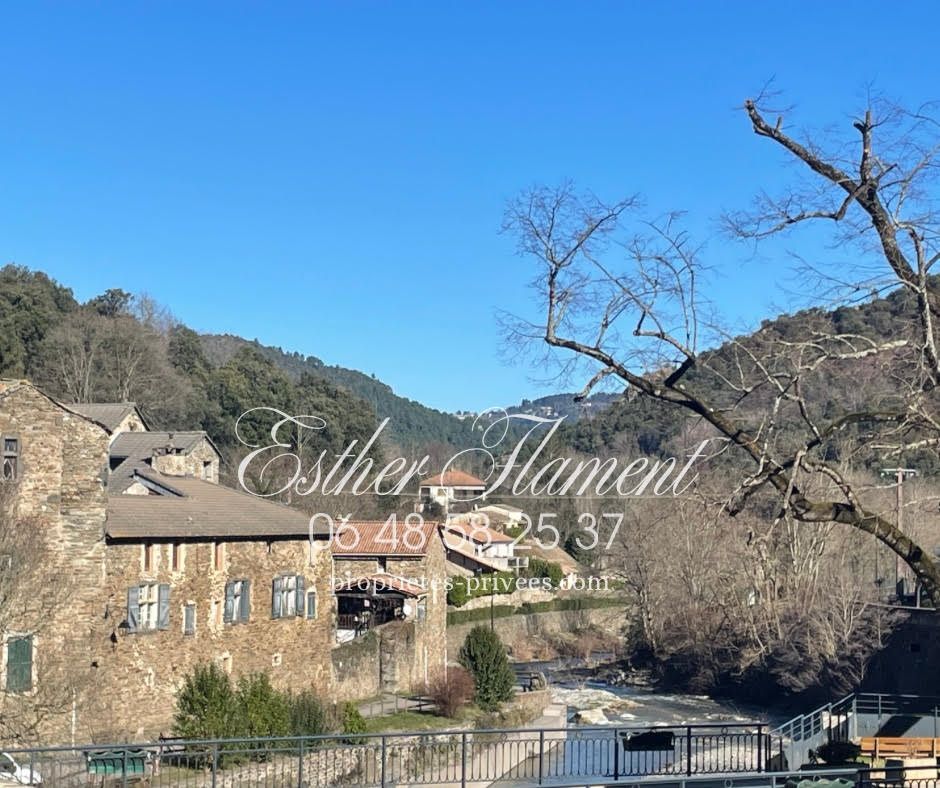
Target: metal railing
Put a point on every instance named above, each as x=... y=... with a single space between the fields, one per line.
x=855 y=715
x=546 y=756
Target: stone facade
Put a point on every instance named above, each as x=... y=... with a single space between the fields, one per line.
x=201 y=462
x=148 y=666
x=60 y=487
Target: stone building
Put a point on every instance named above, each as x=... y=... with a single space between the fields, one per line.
x=394 y=571
x=158 y=568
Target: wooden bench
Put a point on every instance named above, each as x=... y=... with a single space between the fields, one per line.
x=900 y=746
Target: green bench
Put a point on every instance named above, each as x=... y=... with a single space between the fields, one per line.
x=131 y=763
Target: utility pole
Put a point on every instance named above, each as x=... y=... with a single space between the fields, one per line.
x=900 y=474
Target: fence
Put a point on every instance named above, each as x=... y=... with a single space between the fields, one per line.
x=547 y=756
x=856 y=715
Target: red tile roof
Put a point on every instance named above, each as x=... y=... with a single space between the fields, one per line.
x=453 y=478
x=401 y=538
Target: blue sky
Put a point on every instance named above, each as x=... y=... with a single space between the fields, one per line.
x=330 y=177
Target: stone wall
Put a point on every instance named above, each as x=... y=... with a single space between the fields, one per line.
x=202 y=462
x=61 y=490
x=141 y=672
x=520 y=632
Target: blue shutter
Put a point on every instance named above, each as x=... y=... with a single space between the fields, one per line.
x=228 y=613
x=133 y=608
x=163 y=606
x=245 y=609
x=276 y=598
x=299 y=604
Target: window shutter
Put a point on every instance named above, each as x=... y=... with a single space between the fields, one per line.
x=133 y=608
x=299 y=607
x=312 y=604
x=20 y=664
x=228 y=613
x=276 y=598
x=245 y=610
x=163 y=607
x=189 y=620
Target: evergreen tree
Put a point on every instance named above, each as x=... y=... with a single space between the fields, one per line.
x=484 y=655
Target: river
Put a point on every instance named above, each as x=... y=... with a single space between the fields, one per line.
x=596 y=685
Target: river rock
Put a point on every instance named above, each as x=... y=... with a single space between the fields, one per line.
x=591 y=717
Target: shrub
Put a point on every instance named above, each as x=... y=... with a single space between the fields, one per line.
x=450 y=690
x=260 y=709
x=308 y=715
x=205 y=706
x=484 y=655
x=460 y=590
x=540 y=568
x=839 y=752
x=353 y=722
x=457 y=593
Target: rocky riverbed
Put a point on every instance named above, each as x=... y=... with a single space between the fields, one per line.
x=600 y=692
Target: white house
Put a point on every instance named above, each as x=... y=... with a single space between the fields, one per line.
x=451 y=487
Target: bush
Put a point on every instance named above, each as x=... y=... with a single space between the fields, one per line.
x=260 y=709
x=450 y=690
x=839 y=752
x=308 y=715
x=205 y=706
x=540 y=568
x=460 y=592
x=352 y=722
x=484 y=655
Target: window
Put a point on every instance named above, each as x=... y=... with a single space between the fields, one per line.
x=207 y=470
x=382 y=564
x=176 y=557
x=218 y=556
x=311 y=604
x=19 y=659
x=237 y=602
x=287 y=596
x=224 y=661
x=147 y=562
x=189 y=619
x=422 y=612
x=11 y=456
x=148 y=607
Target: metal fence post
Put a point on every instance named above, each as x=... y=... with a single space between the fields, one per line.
x=541 y=754
x=215 y=762
x=463 y=760
x=383 y=762
x=300 y=765
x=616 y=755
x=124 y=769
x=688 y=749
x=760 y=748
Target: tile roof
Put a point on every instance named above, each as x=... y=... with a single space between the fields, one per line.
x=381 y=581
x=200 y=509
x=453 y=478
x=382 y=538
x=108 y=414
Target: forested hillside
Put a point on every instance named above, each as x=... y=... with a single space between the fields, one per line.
x=413 y=426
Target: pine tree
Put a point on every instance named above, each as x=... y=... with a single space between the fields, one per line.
x=484 y=655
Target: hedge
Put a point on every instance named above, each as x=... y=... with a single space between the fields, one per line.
x=455 y=617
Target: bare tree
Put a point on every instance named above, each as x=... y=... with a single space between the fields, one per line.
x=620 y=292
